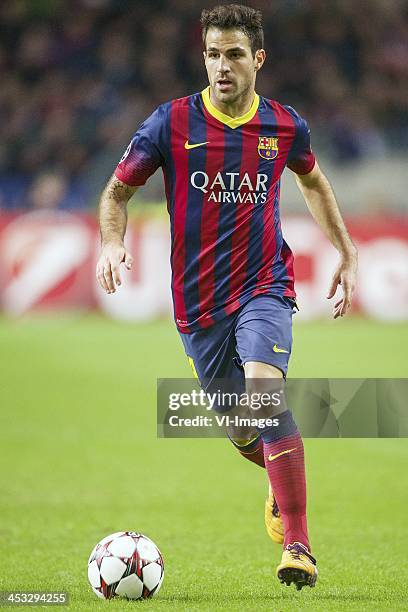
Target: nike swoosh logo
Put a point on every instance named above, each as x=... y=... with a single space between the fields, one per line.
x=276 y=349
x=285 y=452
x=193 y=146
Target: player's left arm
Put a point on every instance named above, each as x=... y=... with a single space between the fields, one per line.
x=321 y=202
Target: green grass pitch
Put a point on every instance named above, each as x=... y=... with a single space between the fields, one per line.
x=80 y=459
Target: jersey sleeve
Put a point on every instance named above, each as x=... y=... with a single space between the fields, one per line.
x=145 y=152
x=301 y=158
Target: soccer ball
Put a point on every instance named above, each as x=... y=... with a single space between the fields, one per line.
x=126 y=564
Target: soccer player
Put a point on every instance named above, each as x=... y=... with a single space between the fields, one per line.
x=222 y=152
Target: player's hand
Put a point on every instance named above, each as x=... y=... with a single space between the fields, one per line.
x=107 y=268
x=345 y=275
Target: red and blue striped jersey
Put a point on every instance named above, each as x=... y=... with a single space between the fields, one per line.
x=222 y=178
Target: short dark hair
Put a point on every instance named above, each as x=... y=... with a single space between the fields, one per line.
x=235 y=16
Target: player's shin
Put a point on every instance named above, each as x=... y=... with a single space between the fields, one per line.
x=284 y=462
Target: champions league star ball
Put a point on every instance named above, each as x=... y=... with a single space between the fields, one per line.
x=126 y=564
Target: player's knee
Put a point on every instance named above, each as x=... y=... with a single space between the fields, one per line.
x=264 y=386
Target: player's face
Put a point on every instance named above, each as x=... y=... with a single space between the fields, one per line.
x=230 y=65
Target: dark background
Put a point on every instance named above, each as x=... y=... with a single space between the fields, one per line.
x=78 y=76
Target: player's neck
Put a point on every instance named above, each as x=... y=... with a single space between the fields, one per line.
x=238 y=108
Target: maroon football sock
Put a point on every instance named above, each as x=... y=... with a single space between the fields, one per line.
x=284 y=460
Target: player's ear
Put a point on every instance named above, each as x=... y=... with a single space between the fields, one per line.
x=260 y=57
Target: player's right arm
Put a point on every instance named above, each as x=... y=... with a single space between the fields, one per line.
x=113 y=221
x=141 y=159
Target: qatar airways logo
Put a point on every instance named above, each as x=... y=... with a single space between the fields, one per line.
x=228 y=188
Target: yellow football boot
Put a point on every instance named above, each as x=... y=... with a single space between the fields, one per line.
x=273 y=521
x=297 y=566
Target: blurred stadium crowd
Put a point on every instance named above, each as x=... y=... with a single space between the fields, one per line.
x=78 y=76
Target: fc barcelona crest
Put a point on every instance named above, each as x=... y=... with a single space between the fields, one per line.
x=268 y=147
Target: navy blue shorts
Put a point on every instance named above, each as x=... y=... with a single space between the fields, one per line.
x=261 y=330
